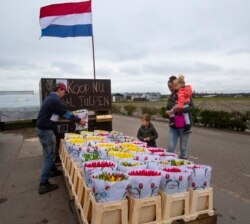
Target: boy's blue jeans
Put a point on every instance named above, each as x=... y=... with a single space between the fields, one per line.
x=174 y=135
x=48 y=141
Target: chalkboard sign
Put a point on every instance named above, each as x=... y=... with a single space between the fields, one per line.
x=90 y=94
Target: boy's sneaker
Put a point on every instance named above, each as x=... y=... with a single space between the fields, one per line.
x=47 y=187
x=187 y=129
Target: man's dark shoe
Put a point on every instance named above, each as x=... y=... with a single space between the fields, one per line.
x=47 y=187
x=55 y=173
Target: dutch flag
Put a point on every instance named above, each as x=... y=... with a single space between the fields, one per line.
x=66 y=20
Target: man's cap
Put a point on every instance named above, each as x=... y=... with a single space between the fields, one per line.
x=62 y=86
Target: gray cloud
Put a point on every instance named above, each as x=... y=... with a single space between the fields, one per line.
x=138 y=45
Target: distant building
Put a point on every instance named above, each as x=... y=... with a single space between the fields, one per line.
x=209 y=96
x=150 y=96
x=117 y=97
x=28 y=92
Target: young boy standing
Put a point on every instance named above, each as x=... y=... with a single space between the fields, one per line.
x=147 y=132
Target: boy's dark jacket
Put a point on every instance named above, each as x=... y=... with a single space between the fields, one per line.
x=150 y=132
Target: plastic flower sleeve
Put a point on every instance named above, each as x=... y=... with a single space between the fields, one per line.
x=126 y=165
x=144 y=157
x=108 y=187
x=200 y=176
x=144 y=183
x=174 y=179
x=91 y=167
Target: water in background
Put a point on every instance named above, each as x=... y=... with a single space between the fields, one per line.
x=19 y=101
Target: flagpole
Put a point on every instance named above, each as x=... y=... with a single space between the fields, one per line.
x=93 y=45
x=93 y=52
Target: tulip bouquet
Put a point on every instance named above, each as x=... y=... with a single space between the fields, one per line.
x=72 y=143
x=74 y=147
x=125 y=138
x=156 y=164
x=140 y=143
x=101 y=133
x=144 y=183
x=116 y=133
x=104 y=148
x=145 y=157
x=179 y=162
x=72 y=136
x=174 y=179
x=126 y=165
x=156 y=150
x=85 y=133
x=76 y=141
x=110 y=186
x=131 y=147
x=85 y=157
x=200 y=176
x=89 y=168
x=93 y=140
x=119 y=155
x=115 y=136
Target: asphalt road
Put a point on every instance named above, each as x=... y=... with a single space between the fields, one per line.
x=228 y=153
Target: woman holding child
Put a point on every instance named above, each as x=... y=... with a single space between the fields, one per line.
x=179 y=102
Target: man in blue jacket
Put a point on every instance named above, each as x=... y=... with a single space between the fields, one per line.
x=51 y=109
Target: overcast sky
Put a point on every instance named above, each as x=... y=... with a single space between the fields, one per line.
x=138 y=45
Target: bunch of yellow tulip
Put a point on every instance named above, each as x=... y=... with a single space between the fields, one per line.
x=72 y=136
x=131 y=147
x=76 y=141
x=98 y=138
x=120 y=155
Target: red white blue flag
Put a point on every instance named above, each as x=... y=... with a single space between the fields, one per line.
x=66 y=19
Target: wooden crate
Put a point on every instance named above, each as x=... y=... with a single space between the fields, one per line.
x=201 y=202
x=62 y=153
x=145 y=210
x=175 y=207
x=86 y=203
x=76 y=179
x=109 y=213
x=70 y=171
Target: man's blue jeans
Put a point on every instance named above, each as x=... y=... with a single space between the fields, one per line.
x=48 y=141
x=174 y=135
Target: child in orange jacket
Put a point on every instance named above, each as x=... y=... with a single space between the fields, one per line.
x=183 y=95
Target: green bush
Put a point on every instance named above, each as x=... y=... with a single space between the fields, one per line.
x=116 y=108
x=224 y=120
x=150 y=110
x=129 y=109
x=195 y=115
x=163 y=112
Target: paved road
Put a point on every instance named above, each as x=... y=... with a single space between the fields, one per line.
x=229 y=155
x=20 y=203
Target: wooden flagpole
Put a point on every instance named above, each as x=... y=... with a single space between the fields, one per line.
x=93 y=45
x=93 y=52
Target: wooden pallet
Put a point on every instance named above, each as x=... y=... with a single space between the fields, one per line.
x=201 y=202
x=145 y=210
x=202 y=219
x=175 y=207
x=109 y=213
